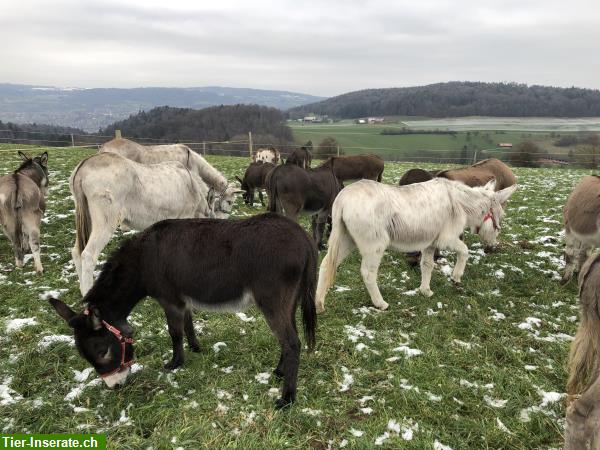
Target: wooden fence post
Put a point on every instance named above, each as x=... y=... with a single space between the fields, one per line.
x=72 y=141
x=250 y=143
x=117 y=134
x=475 y=156
x=338 y=150
x=204 y=148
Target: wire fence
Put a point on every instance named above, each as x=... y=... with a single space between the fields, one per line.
x=31 y=140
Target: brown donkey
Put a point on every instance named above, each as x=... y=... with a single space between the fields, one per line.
x=481 y=172
x=581 y=216
x=583 y=387
x=22 y=206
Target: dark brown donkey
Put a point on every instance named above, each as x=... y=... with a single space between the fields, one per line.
x=301 y=157
x=255 y=179
x=293 y=190
x=22 y=206
x=356 y=167
x=218 y=265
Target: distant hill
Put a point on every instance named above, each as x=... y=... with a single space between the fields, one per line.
x=216 y=123
x=92 y=109
x=459 y=99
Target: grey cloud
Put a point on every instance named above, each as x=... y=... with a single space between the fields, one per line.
x=317 y=47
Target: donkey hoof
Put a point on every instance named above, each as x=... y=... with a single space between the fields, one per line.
x=565 y=281
x=39 y=272
x=283 y=403
x=320 y=309
x=278 y=373
x=383 y=306
x=172 y=365
x=426 y=292
x=195 y=348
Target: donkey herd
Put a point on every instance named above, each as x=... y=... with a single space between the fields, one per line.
x=189 y=255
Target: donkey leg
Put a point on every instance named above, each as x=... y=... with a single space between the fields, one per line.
x=572 y=250
x=190 y=333
x=31 y=227
x=462 y=254
x=89 y=257
x=279 y=311
x=368 y=269
x=289 y=360
x=175 y=321
x=321 y=222
x=76 y=256
x=426 y=269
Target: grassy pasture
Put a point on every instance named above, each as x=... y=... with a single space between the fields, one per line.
x=357 y=139
x=490 y=374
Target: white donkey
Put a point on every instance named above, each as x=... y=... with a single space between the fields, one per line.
x=420 y=217
x=111 y=191
x=224 y=194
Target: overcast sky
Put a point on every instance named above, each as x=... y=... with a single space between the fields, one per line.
x=324 y=47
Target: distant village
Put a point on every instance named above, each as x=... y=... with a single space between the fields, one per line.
x=316 y=118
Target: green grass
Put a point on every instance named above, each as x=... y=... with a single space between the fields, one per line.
x=356 y=139
x=214 y=401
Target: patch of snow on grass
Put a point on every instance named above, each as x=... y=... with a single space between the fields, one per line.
x=17 y=324
x=263 y=377
x=47 y=341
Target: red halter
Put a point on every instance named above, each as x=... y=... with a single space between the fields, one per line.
x=488 y=216
x=123 y=340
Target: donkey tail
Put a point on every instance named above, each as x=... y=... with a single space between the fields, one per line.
x=309 y=312
x=339 y=236
x=584 y=358
x=83 y=220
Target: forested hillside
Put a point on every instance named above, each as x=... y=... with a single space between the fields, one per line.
x=459 y=99
x=218 y=123
x=37 y=134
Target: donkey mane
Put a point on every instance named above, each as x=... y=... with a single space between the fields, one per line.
x=25 y=165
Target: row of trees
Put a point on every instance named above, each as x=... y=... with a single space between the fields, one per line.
x=37 y=134
x=218 y=123
x=459 y=99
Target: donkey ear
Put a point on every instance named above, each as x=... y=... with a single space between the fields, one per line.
x=490 y=185
x=94 y=320
x=503 y=195
x=62 y=309
x=44 y=158
x=23 y=156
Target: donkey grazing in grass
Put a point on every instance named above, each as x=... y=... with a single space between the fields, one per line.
x=207 y=264
x=222 y=195
x=355 y=167
x=111 y=191
x=583 y=387
x=373 y=216
x=582 y=224
x=293 y=190
x=481 y=173
x=22 y=206
x=255 y=178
